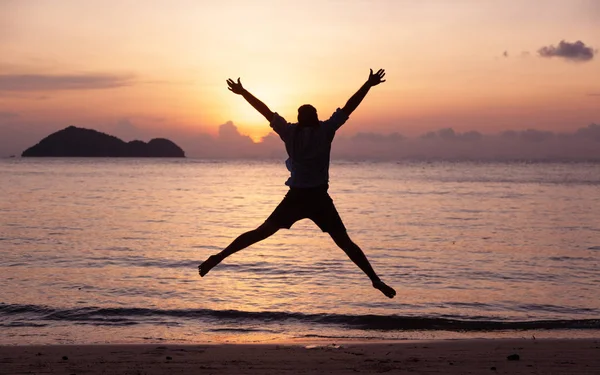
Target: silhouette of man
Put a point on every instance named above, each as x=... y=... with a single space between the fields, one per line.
x=308 y=145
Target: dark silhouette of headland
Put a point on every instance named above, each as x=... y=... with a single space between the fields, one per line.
x=81 y=142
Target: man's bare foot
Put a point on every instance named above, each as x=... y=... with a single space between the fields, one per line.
x=384 y=288
x=208 y=264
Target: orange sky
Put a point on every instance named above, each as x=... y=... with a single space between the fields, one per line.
x=163 y=64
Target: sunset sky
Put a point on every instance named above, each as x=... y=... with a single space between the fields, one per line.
x=160 y=66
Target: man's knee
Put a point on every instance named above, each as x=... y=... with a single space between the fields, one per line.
x=340 y=237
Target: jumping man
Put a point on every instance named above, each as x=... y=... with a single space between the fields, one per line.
x=308 y=145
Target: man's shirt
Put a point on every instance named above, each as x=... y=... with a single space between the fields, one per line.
x=308 y=149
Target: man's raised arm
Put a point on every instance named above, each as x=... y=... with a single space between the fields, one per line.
x=354 y=101
x=237 y=88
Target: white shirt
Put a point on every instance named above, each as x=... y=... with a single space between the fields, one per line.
x=308 y=149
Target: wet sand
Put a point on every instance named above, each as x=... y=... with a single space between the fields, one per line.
x=488 y=356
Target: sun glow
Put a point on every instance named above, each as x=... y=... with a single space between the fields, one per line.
x=247 y=119
x=166 y=72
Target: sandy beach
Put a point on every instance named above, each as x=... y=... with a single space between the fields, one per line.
x=493 y=356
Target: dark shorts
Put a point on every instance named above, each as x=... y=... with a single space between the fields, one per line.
x=307 y=203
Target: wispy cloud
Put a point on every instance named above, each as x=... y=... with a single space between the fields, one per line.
x=530 y=144
x=577 y=51
x=40 y=82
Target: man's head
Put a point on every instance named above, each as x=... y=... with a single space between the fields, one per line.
x=307 y=115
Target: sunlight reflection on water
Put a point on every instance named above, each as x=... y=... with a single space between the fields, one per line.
x=502 y=241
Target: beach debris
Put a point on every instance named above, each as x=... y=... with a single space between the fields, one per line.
x=493 y=368
x=330 y=346
x=65 y=358
x=169 y=358
x=513 y=357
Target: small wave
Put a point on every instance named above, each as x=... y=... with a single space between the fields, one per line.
x=569 y=258
x=129 y=316
x=554 y=308
x=21 y=324
x=345 y=337
x=240 y=330
x=137 y=261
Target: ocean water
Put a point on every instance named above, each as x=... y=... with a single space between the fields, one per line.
x=106 y=250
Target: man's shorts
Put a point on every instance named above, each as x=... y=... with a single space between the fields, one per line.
x=307 y=203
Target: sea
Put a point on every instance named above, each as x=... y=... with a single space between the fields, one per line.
x=106 y=251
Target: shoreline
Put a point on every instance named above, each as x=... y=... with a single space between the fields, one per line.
x=485 y=356
x=102 y=335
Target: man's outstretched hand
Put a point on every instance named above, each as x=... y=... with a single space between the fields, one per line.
x=236 y=88
x=354 y=101
x=376 y=78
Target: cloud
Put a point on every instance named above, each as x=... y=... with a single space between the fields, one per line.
x=8 y=115
x=593 y=94
x=592 y=131
x=229 y=143
x=228 y=132
x=376 y=137
x=40 y=82
x=126 y=130
x=448 y=134
x=443 y=144
x=577 y=51
x=532 y=135
x=521 y=55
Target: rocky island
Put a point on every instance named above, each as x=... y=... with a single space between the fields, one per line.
x=81 y=142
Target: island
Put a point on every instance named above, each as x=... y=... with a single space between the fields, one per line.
x=80 y=142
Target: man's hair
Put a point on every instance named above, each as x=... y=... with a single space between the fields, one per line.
x=307 y=116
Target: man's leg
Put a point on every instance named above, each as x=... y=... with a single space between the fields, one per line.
x=341 y=238
x=243 y=241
